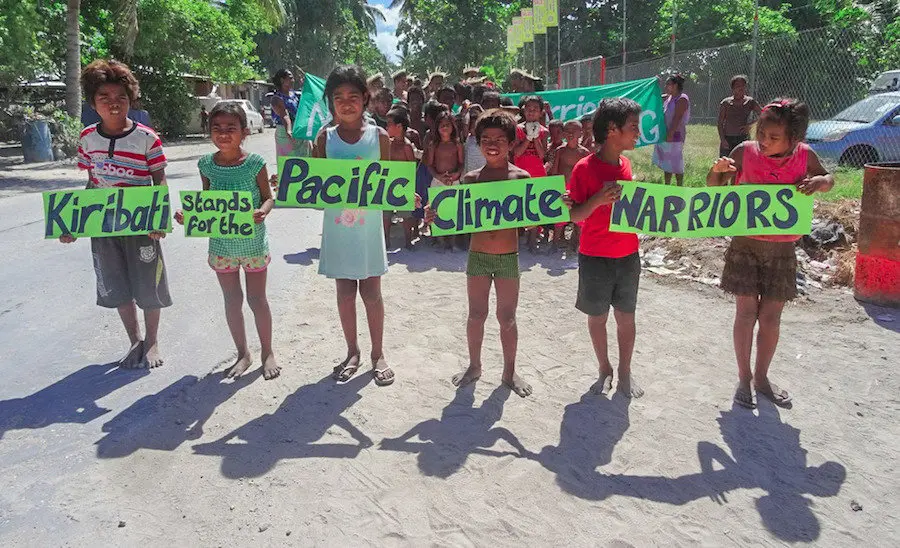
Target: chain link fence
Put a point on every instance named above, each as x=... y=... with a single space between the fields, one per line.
x=819 y=67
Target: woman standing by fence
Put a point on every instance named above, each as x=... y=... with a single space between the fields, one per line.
x=669 y=156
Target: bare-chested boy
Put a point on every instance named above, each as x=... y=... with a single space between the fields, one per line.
x=564 y=160
x=402 y=150
x=493 y=257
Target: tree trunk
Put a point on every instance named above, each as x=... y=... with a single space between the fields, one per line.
x=73 y=59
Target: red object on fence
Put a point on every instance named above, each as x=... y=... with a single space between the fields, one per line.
x=602 y=70
x=877 y=277
x=558 y=78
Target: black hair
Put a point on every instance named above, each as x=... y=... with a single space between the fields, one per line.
x=531 y=99
x=676 y=79
x=279 y=77
x=738 y=78
x=478 y=93
x=346 y=74
x=506 y=101
x=490 y=94
x=444 y=115
x=432 y=109
x=555 y=122
x=612 y=110
x=399 y=116
x=464 y=91
x=446 y=89
x=499 y=119
x=793 y=114
x=384 y=94
x=415 y=90
x=228 y=108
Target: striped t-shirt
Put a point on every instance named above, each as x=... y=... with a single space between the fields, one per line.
x=128 y=159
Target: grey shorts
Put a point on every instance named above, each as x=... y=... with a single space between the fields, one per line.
x=605 y=282
x=130 y=268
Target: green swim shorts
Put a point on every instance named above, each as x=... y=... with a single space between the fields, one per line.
x=493 y=266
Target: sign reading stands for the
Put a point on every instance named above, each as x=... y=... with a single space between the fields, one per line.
x=218 y=214
x=312 y=112
x=103 y=212
x=479 y=207
x=346 y=184
x=572 y=104
x=742 y=210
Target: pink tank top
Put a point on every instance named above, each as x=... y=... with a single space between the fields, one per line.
x=763 y=170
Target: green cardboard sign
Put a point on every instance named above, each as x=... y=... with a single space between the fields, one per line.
x=218 y=214
x=103 y=212
x=572 y=104
x=346 y=184
x=479 y=207
x=742 y=210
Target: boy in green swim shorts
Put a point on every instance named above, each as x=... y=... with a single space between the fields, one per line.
x=493 y=256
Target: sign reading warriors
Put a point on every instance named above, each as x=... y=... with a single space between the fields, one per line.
x=346 y=184
x=218 y=214
x=743 y=210
x=572 y=104
x=100 y=212
x=479 y=207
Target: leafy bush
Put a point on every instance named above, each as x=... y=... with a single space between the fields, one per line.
x=166 y=99
x=66 y=132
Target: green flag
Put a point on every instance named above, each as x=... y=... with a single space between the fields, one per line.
x=742 y=210
x=551 y=13
x=528 y=25
x=312 y=113
x=218 y=214
x=518 y=33
x=346 y=184
x=540 y=18
x=571 y=104
x=479 y=207
x=101 y=212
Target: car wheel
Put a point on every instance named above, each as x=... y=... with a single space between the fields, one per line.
x=858 y=156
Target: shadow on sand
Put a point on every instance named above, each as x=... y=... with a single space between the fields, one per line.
x=291 y=432
x=72 y=399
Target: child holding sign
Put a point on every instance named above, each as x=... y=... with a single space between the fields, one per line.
x=761 y=270
x=233 y=168
x=117 y=152
x=493 y=257
x=609 y=267
x=352 y=251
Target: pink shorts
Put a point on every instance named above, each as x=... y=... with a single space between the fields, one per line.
x=227 y=265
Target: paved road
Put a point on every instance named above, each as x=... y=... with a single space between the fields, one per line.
x=54 y=341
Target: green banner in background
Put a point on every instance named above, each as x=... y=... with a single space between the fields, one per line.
x=103 y=212
x=480 y=207
x=572 y=104
x=346 y=184
x=312 y=112
x=218 y=214
x=743 y=210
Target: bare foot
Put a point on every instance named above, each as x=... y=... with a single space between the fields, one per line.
x=517 y=385
x=132 y=359
x=603 y=386
x=240 y=366
x=152 y=359
x=271 y=369
x=628 y=387
x=472 y=374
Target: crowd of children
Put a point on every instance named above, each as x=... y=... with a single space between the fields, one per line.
x=463 y=135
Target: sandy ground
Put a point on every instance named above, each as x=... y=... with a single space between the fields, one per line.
x=196 y=460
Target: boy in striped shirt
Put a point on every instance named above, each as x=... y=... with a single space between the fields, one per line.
x=118 y=152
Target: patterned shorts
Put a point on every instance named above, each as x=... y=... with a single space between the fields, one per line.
x=226 y=265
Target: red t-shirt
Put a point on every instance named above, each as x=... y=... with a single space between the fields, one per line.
x=588 y=178
x=529 y=160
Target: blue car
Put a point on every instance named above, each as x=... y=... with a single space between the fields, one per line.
x=865 y=132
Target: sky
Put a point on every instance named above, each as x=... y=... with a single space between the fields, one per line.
x=386 y=40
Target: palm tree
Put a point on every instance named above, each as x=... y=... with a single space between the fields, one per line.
x=73 y=59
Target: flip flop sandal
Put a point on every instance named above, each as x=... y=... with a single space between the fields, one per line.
x=379 y=372
x=345 y=370
x=744 y=398
x=776 y=395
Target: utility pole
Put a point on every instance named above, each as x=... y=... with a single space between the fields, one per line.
x=624 y=28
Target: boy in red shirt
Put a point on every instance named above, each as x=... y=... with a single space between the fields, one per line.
x=608 y=263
